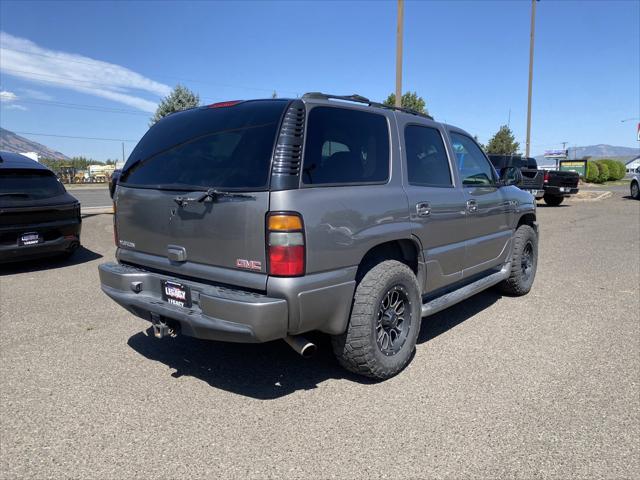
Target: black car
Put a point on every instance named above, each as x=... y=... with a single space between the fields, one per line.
x=37 y=215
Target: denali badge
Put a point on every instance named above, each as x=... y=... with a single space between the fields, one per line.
x=126 y=243
x=248 y=264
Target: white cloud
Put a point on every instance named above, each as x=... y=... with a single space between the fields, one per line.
x=6 y=96
x=24 y=59
x=36 y=94
x=15 y=106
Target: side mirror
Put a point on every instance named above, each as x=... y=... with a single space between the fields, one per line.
x=510 y=176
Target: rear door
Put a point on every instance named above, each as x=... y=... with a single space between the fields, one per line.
x=436 y=204
x=488 y=210
x=164 y=218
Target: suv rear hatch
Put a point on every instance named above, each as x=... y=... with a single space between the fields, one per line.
x=166 y=220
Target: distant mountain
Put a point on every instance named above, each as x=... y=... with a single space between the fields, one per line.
x=11 y=142
x=597 y=151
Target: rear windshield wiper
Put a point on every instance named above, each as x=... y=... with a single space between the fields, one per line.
x=211 y=194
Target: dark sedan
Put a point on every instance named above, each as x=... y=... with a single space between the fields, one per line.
x=37 y=215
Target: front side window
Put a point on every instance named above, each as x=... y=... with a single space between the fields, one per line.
x=345 y=146
x=474 y=168
x=427 y=162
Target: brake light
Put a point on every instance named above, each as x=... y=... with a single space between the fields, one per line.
x=115 y=227
x=546 y=177
x=230 y=103
x=285 y=244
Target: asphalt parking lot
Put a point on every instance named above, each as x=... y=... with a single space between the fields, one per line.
x=547 y=385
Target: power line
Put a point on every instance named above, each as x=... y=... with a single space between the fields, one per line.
x=81 y=106
x=77 y=137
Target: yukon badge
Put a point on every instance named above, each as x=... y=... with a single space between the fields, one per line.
x=127 y=244
x=249 y=264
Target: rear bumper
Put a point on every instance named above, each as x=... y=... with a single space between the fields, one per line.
x=560 y=191
x=59 y=237
x=292 y=305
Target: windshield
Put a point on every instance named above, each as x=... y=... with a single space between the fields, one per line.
x=224 y=148
x=28 y=184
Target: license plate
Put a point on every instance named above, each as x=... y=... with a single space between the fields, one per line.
x=176 y=294
x=31 y=238
x=534 y=192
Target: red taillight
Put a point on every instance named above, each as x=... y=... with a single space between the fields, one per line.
x=546 y=177
x=230 y=103
x=115 y=227
x=285 y=245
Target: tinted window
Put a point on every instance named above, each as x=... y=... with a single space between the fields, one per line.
x=345 y=146
x=474 y=168
x=427 y=162
x=28 y=184
x=227 y=147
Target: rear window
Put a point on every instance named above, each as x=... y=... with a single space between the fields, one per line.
x=345 y=146
x=427 y=161
x=226 y=147
x=28 y=184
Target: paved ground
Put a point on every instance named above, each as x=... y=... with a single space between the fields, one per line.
x=91 y=196
x=542 y=386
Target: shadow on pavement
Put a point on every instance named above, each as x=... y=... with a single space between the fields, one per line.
x=81 y=255
x=273 y=370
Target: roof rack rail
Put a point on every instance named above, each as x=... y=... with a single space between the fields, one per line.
x=360 y=99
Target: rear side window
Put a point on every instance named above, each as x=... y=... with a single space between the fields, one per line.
x=345 y=146
x=28 y=184
x=473 y=166
x=227 y=147
x=427 y=162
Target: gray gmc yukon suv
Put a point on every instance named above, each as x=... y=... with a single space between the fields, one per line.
x=261 y=220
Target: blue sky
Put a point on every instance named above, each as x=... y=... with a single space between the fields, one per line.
x=468 y=59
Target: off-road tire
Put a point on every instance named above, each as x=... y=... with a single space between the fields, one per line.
x=519 y=283
x=357 y=349
x=634 y=189
x=553 y=200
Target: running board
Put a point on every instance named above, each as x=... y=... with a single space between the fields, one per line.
x=449 y=299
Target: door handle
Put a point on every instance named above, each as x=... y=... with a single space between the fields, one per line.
x=423 y=209
x=472 y=206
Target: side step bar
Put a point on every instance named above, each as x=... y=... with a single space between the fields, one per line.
x=445 y=301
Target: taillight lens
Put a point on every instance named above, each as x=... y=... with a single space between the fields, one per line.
x=546 y=177
x=230 y=103
x=115 y=227
x=285 y=245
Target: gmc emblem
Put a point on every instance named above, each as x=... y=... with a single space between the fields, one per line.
x=248 y=264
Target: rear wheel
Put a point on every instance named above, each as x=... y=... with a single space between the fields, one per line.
x=524 y=262
x=384 y=324
x=635 y=190
x=553 y=200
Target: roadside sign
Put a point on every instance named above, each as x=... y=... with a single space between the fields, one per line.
x=556 y=153
x=579 y=166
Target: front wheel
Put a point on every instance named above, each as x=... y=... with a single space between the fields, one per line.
x=635 y=190
x=553 y=200
x=384 y=324
x=524 y=262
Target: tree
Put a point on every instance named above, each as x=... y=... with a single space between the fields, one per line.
x=475 y=137
x=274 y=94
x=503 y=142
x=409 y=100
x=179 y=99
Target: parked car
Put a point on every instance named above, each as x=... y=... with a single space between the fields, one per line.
x=261 y=220
x=634 y=186
x=532 y=178
x=37 y=215
x=559 y=185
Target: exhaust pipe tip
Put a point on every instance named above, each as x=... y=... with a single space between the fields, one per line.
x=302 y=346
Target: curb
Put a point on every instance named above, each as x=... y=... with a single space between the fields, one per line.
x=96 y=210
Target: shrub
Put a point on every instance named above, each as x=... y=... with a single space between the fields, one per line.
x=593 y=173
x=616 y=168
x=604 y=171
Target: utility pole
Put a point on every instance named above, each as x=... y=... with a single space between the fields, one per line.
x=533 y=29
x=399 y=53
